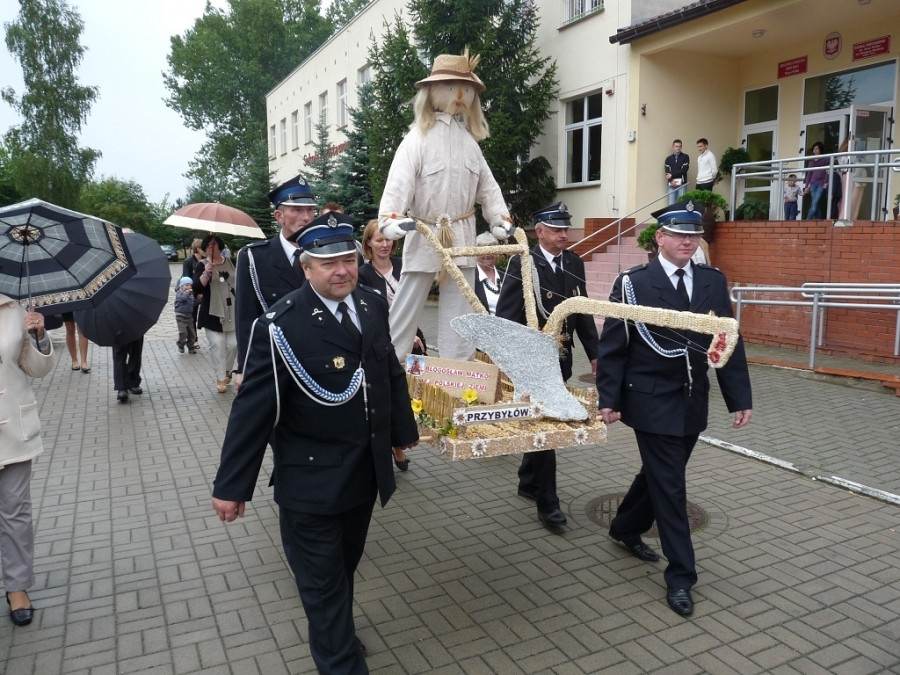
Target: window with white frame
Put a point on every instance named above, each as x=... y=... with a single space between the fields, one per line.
x=342 y=103
x=575 y=9
x=323 y=107
x=272 y=149
x=283 y=127
x=295 y=129
x=584 y=137
x=364 y=75
x=307 y=122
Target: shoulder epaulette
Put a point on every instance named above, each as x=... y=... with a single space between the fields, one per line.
x=708 y=267
x=284 y=305
x=259 y=242
x=637 y=268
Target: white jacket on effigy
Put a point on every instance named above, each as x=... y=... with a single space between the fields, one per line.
x=20 y=427
x=440 y=173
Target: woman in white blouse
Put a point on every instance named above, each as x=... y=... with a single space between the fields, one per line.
x=487 y=279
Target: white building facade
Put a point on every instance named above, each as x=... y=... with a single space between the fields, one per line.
x=585 y=139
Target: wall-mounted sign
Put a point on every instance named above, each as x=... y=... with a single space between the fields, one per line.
x=792 y=67
x=869 y=48
x=831 y=47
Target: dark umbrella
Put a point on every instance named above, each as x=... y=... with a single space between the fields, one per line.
x=136 y=305
x=57 y=259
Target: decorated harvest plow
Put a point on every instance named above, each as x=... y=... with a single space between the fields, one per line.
x=526 y=406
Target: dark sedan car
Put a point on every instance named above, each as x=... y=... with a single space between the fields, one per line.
x=170 y=252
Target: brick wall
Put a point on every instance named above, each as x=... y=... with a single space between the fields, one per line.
x=791 y=253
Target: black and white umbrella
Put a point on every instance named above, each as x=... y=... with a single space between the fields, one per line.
x=57 y=259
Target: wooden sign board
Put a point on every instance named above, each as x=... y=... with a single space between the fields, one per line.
x=486 y=414
x=455 y=376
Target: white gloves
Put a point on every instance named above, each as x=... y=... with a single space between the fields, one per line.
x=502 y=228
x=396 y=228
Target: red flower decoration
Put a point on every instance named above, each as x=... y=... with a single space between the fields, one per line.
x=714 y=357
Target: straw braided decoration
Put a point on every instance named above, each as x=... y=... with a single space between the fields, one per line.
x=723 y=329
x=448 y=254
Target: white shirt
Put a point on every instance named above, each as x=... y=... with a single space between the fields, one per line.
x=549 y=256
x=489 y=295
x=440 y=172
x=332 y=306
x=289 y=249
x=707 y=168
x=669 y=268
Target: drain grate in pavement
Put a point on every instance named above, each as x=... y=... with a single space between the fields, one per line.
x=601 y=510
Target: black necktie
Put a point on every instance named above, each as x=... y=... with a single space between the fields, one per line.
x=347 y=322
x=557 y=263
x=681 y=289
x=296 y=265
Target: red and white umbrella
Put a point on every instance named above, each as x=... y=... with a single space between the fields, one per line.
x=215 y=217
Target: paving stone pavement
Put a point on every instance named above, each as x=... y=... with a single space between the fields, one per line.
x=136 y=574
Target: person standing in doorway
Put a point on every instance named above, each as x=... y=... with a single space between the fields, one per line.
x=707 y=166
x=817 y=181
x=676 y=168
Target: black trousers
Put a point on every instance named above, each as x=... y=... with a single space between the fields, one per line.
x=658 y=492
x=537 y=472
x=323 y=552
x=705 y=186
x=127 y=365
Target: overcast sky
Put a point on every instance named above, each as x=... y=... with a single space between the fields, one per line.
x=127 y=42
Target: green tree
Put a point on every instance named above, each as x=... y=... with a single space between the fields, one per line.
x=520 y=85
x=351 y=172
x=219 y=73
x=121 y=202
x=321 y=163
x=44 y=159
x=8 y=192
x=340 y=12
x=396 y=68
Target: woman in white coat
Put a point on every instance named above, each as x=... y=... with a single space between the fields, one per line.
x=25 y=351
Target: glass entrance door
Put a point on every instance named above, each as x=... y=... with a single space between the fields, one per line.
x=759 y=142
x=864 y=190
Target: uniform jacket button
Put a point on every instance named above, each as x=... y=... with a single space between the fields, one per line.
x=311 y=458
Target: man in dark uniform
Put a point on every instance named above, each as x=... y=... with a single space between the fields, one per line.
x=560 y=275
x=324 y=386
x=654 y=379
x=267 y=270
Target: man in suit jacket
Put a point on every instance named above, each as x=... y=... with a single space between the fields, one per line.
x=267 y=270
x=645 y=380
x=560 y=275
x=324 y=385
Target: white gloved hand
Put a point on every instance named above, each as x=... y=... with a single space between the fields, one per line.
x=502 y=228
x=396 y=228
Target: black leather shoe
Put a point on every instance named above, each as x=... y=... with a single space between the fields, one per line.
x=137 y=391
x=680 y=601
x=554 y=520
x=637 y=548
x=22 y=616
x=122 y=396
x=526 y=495
x=402 y=465
x=362 y=648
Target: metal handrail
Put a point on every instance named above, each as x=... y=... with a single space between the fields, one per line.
x=890 y=163
x=823 y=295
x=619 y=231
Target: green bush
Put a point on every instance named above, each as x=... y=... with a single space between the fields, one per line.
x=709 y=200
x=647 y=238
x=752 y=211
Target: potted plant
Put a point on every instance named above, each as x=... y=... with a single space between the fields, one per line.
x=752 y=210
x=647 y=240
x=713 y=208
x=730 y=157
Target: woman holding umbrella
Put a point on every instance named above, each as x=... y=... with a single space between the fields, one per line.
x=25 y=351
x=215 y=282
